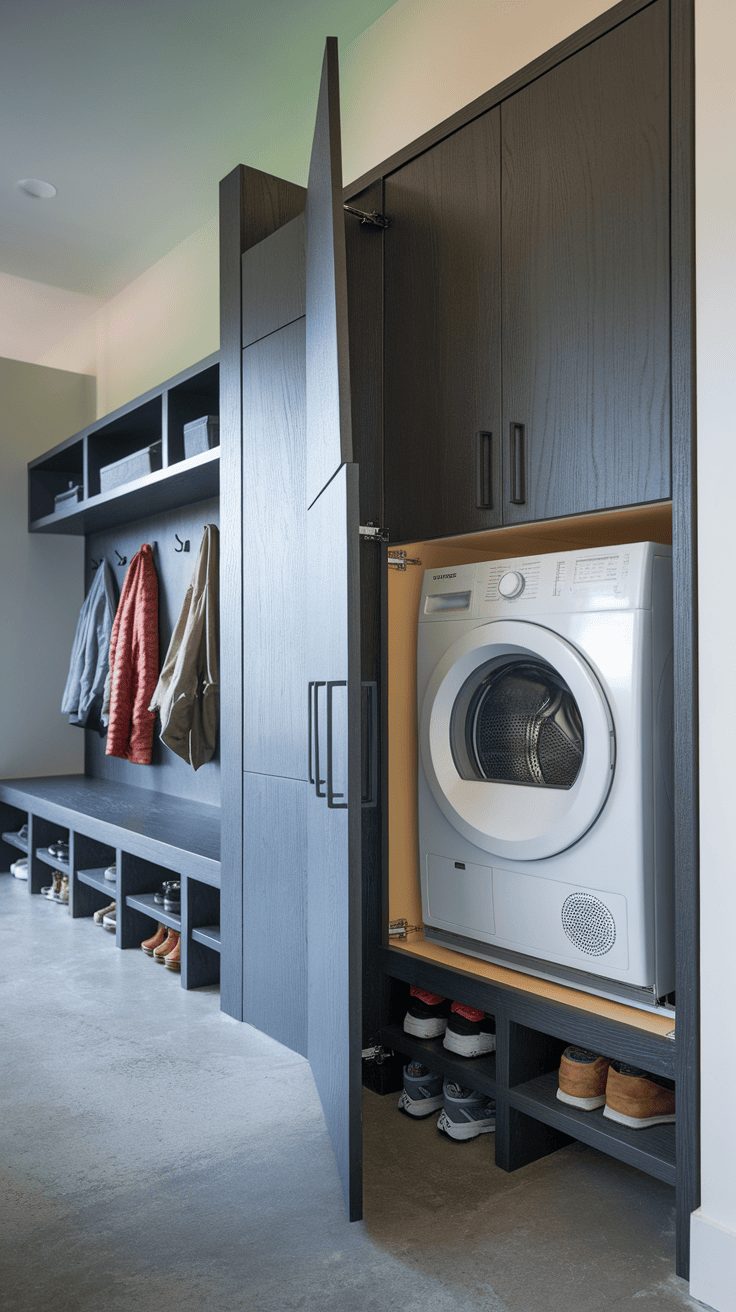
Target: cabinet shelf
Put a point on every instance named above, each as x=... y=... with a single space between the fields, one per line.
x=209 y=935
x=44 y=855
x=476 y=1072
x=14 y=841
x=96 y=879
x=146 y=903
x=651 y=1150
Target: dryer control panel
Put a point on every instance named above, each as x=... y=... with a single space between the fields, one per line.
x=590 y=579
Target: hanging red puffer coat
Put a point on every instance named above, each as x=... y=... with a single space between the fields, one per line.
x=134 y=662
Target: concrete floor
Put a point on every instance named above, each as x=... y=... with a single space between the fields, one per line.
x=158 y=1155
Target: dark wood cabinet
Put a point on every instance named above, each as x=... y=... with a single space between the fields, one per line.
x=585 y=187
x=442 y=289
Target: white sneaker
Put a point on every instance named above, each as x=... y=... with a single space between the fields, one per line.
x=19 y=868
x=111 y=873
x=108 y=921
x=99 y=916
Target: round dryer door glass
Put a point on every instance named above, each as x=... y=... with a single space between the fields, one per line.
x=516 y=740
x=518 y=723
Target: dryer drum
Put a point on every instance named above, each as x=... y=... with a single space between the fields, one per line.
x=523 y=726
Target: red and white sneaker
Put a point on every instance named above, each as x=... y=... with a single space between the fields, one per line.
x=469 y=1032
x=426 y=1015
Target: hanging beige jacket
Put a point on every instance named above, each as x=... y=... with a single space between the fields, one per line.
x=188 y=690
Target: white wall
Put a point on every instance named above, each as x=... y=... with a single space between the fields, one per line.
x=713 y=1271
x=42 y=575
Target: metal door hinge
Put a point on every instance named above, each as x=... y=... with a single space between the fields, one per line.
x=374 y=532
x=400 y=560
x=401 y=928
x=373 y=219
x=377 y=1053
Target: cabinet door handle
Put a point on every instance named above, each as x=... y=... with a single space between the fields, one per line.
x=370 y=740
x=518 y=464
x=331 y=794
x=314 y=778
x=484 y=480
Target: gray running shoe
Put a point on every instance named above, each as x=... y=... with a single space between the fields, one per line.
x=466 y=1114
x=422 y=1093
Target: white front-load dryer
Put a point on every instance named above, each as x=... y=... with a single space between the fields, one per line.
x=545 y=761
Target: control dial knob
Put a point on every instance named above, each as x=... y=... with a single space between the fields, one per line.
x=511 y=584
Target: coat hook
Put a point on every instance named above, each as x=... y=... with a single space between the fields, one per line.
x=183 y=546
x=96 y=563
x=122 y=560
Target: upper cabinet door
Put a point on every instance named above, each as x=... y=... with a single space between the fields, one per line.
x=442 y=344
x=585 y=152
x=328 y=367
x=332 y=684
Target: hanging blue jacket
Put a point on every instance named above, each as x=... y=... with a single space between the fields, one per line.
x=82 y=700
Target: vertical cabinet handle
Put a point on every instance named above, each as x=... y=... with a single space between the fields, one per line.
x=313 y=731
x=484 y=484
x=331 y=794
x=370 y=740
x=518 y=464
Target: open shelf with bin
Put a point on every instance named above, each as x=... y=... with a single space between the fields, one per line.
x=156 y=417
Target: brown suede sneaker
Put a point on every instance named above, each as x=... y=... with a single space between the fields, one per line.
x=637 y=1099
x=155 y=940
x=582 y=1078
x=173 y=958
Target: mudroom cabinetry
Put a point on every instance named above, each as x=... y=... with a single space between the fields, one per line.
x=527 y=278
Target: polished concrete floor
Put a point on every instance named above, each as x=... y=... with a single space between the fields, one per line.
x=159 y=1157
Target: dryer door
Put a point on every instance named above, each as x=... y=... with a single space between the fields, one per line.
x=517 y=740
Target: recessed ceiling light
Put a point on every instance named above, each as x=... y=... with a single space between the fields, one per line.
x=35 y=187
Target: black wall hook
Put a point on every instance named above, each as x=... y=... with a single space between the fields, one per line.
x=96 y=563
x=122 y=560
x=183 y=546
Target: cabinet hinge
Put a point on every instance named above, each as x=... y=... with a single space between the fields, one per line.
x=374 y=532
x=400 y=560
x=401 y=928
x=373 y=219
x=377 y=1053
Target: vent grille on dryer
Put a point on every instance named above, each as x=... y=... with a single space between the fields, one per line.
x=588 y=924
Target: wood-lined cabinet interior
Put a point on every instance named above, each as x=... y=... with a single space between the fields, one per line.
x=527 y=299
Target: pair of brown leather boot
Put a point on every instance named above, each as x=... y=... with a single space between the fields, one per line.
x=165 y=946
x=628 y=1095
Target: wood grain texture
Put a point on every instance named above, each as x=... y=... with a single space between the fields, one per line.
x=274 y=281
x=442 y=335
x=555 y=55
x=177 y=834
x=274 y=561
x=334 y=835
x=275 y=898
x=252 y=206
x=684 y=565
x=586 y=274
x=328 y=361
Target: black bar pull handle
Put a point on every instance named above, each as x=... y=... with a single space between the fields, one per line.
x=331 y=794
x=310 y=731
x=370 y=743
x=313 y=722
x=484 y=480
x=518 y=464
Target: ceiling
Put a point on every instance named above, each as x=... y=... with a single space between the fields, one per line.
x=135 y=110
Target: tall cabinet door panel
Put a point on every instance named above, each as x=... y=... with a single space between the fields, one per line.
x=442 y=347
x=274 y=517
x=586 y=278
x=328 y=365
x=332 y=706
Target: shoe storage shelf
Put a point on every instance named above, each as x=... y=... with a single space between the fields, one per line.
x=159 y=481
x=145 y=836
x=531 y=1034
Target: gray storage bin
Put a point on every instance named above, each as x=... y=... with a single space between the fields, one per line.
x=201 y=435
x=130 y=467
x=65 y=501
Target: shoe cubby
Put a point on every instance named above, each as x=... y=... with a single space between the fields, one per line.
x=200 y=958
x=90 y=891
x=12 y=820
x=531 y=1035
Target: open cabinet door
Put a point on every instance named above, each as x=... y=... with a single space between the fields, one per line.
x=332 y=647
